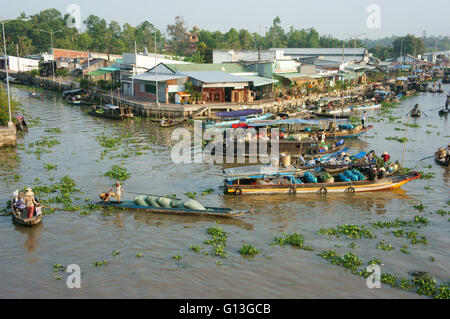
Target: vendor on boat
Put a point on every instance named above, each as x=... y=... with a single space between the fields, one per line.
x=30 y=202
x=116 y=192
x=385 y=156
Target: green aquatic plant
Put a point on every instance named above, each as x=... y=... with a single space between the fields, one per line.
x=116 y=253
x=177 y=257
x=296 y=240
x=207 y=192
x=49 y=166
x=384 y=246
x=118 y=173
x=351 y=231
x=139 y=255
x=100 y=263
x=218 y=241
x=196 y=249
x=419 y=206
x=248 y=250
x=54 y=130
x=443 y=212
x=348 y=260
x=191 y=195
x=389 y=279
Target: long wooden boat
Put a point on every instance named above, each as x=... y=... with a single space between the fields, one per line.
x=249 y=119
x=112 y=112
x=348 y=133
x=210 y=211
x=169 y=123
x=444 y=111
x=284 y=146
x=17 y=218
x=344 y=112
x=440 y=160
x=387 y=183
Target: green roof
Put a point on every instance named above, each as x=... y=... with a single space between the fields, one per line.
x=103 y=71
x=225 y=67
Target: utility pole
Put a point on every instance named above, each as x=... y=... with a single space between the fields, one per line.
x=5 y=61
x=51 y=32
x=156 y=74
x=18 y=64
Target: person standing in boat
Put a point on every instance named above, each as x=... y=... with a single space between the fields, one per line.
x=30 y=202
x=385 y=156
x=447 y=156
x=116 y=192
x=363 y=119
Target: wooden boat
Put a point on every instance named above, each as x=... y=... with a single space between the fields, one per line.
x=112 y=112
x=440 y=160
x=387 y=183
x=170 y=122
x=17 y=218
x=444 y=111
x=248 y=119
x=210 y=211
x=36 y=95
x=344 y=112
x=284 y=146
x=348 y=133
x=415 y=113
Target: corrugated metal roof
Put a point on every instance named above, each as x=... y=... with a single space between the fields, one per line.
x=322 y=51
x=98 y=72
x=224 y=67
x=258 y=80
x=213 y=76
x=152 y=77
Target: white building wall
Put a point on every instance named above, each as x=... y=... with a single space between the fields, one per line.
x=22 y=64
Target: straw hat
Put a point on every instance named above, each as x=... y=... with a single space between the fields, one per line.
x=29 y=192
x=117 y=183
x=385 y=153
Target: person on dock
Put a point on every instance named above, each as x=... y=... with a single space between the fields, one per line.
x=30 y=202
x=116 y=192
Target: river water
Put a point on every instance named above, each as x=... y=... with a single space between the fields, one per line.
x=27 y=255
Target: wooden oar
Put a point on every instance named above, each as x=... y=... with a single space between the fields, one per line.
x=426 y=158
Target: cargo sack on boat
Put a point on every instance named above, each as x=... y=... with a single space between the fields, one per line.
x=343 y=178
x=350 y=175
x=177 y=203
x=360 y=176
x=164 y=202
x=309 y=177
x=140 y=200
x=153 y=201
x=193 y=204
x=346 y=127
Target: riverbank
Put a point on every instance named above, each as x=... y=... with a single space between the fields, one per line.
x=8 y=136
x=143 y=108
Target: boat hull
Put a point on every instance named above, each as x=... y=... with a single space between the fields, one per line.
x=210 y=211
x=17 y=218
x=387 y=183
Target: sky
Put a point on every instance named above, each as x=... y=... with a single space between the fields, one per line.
x=340 y=18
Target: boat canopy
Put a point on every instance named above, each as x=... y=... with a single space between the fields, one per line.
x=239 y=113
x=110 y=106
x=294 y=121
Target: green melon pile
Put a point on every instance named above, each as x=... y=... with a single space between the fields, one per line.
x=165 y=202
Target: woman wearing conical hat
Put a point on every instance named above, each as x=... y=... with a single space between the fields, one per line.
x=30 y=202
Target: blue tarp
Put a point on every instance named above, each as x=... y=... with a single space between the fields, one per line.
x=239 y=113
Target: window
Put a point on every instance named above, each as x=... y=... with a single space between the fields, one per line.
x=150 y=88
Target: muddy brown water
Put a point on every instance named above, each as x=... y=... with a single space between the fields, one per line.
x=27 y=255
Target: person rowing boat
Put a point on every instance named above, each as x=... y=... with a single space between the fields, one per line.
x=116 y=192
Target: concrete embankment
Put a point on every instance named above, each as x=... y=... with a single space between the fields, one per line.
x=8 y=136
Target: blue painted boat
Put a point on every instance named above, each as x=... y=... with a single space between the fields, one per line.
x=210 y=211
x=230 y=123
